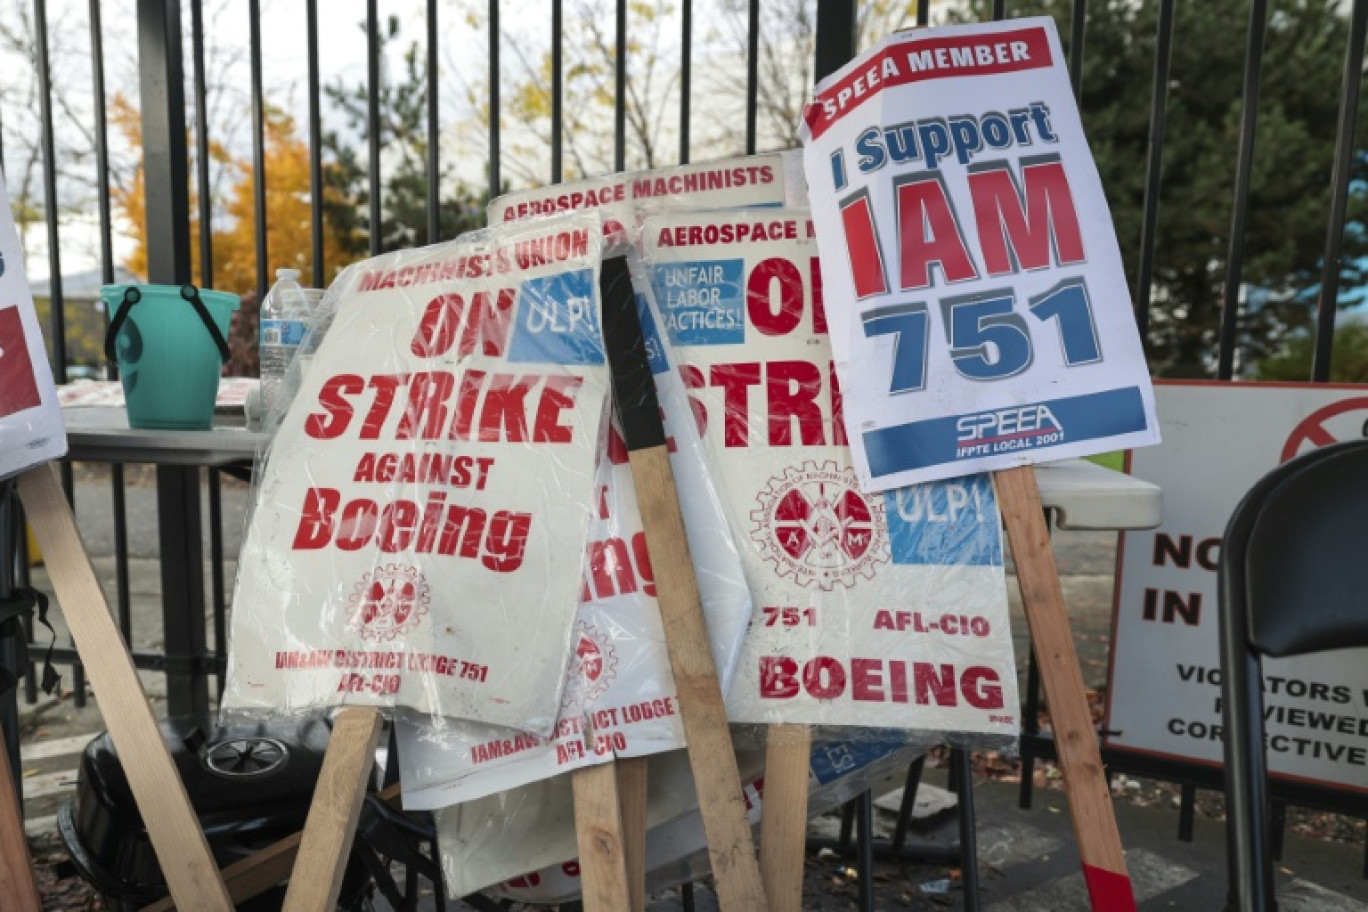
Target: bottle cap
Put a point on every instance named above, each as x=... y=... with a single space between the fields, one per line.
x=284 y=273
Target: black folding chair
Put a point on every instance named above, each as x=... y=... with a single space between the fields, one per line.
x=1293 y=580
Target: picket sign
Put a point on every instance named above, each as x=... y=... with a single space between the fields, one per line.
x=977 y=304
x=716 y=776
x=183 y=852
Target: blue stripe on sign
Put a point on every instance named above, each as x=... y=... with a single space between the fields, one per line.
x=833 y=759
x=1040 y=425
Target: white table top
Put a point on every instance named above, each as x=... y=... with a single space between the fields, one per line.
x=1081 y=495
x=102 y=434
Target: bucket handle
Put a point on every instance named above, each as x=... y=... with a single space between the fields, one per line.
x=131 y=296
x=190 y=293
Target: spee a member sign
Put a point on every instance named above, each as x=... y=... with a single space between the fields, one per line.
x=978 y=309
x=1165 y=692
x=418 y=536
x=31 y=426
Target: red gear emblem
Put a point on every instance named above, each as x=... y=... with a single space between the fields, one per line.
x=388 y=601
x=592 y=669
x=813 y=523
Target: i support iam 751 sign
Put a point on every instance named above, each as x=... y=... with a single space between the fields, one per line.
x=978 y=307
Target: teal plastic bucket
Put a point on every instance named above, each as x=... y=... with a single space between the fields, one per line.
x=170 y=344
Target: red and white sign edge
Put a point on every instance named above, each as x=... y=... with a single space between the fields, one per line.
x=31 y=427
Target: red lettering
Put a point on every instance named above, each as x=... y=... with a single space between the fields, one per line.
x=426 y=411
x=778 y=677
x=929 y=234
x=862 y=246
x=557 y=395
x=504 y=416
x=865 y=680
x=315 y=525
x=735 y=380
x=835 y=678
x=979 y=684
x=1019 y=233
x=337 y=411
x=792 y=388
x=760 y=297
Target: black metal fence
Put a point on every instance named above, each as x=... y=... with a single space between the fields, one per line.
x=836 y=28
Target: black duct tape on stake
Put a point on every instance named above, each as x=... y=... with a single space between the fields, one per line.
x=731 y=848
x=633 y=386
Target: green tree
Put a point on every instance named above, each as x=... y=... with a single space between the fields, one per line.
x=404 y=145
x=1348 y=357
x=1290 y=187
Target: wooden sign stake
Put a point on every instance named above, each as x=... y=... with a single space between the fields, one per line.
x=172 y=826
x=783 y=820
x=1085 y=783
x=717 y=780
x=331 y=825
x=16 y=866
x=632 y=780
x=598 y=832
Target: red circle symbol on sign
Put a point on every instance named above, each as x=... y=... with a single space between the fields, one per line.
x=1312 y=430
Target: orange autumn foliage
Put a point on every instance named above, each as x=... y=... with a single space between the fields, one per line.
x=288 y=216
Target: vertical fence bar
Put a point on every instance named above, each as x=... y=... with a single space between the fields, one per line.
x=101 y=145
x=434 y=194
x=923 y=12
x=1339 y=194
x=557 y=90
x=116 y=470
x=258 y=151
x=999 y=10
x=56 y=304
x=752 y=74
x=315 y=149
x=1154 y=167
x=216 y=586
x=206 y=221
x=620 y=91
x=56 y=298
x=373 y=119
x=836 y=31
x=1230 y=295
x=1078 y=26
x=162 y=87
x=685 y=74
x=125 y=602
x=494 y=111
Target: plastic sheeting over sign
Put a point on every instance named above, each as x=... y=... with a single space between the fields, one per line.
x=529 y=835
x=884 y=611
x=753 y=180
x=418 y=535
x=619 y=698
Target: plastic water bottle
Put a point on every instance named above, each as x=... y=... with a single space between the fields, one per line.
x=284 y=318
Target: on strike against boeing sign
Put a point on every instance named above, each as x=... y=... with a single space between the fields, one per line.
x=419 y=532
x=978 y=308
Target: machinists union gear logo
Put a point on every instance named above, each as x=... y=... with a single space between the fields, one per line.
x=592 y=669
x=388 y=601
x=813 y=524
